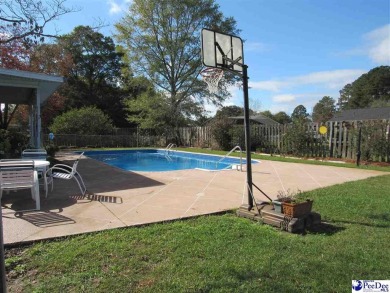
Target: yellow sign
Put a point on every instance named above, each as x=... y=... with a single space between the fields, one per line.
x=323 y=130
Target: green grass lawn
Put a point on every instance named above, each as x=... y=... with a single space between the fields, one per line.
x=363 y=166
x=222 y=253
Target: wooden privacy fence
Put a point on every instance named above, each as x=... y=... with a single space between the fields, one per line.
x=374 y=139
x=196 y=136
x=105 y=141
x=340 y=141
x=136 y=137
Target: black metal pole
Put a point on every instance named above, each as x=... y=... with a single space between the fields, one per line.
x=3 y=285
x=247 y=136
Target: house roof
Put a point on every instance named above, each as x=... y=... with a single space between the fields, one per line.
x=17 y=86
x=362 y=114
x=258 y=118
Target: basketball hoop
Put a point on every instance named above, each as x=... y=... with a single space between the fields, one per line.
x=212 y=76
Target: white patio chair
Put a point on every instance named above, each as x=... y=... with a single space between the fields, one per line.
x=16 y=175
x=34 y=154
x=62 y=171
x=41 y=155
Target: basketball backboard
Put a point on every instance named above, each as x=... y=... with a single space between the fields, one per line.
x=222 y=50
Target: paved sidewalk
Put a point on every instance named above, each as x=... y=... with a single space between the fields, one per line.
x=119 y=198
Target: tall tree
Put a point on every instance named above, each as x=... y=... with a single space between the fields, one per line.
x=51 y=59
x=282 y=117
x=369 y=89
x=162 y=40
x=268 y=114
x=95 y=75
x=96 y=64
x=299 y=114
x=14 y=54
x=29 y=17
x=146 y=109
x=324 y=109
x=345 y=96
x=229 y=111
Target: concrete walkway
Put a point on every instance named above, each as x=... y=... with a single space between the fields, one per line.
x=119 y=198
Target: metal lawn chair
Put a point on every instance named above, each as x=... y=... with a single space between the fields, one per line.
x=62 y=171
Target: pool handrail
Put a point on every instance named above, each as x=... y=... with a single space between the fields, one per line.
x=169 y=147
x=232 y=150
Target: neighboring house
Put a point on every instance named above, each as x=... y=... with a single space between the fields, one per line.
x=259 y=119
x=362 y=114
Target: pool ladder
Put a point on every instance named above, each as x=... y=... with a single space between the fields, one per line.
x=169 y=147
x=232 y=150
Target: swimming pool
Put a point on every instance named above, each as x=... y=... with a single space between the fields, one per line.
x=151 y=160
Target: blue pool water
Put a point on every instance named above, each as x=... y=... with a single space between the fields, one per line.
x=161 y=160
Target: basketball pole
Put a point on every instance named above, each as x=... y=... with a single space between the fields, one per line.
x=247 y=136
x=224 y=51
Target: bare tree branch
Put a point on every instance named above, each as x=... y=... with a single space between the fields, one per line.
x=31 y=16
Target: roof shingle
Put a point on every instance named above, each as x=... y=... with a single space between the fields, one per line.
x=259 y=119
x=362 y=114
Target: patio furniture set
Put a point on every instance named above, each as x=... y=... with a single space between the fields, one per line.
x=33 y=167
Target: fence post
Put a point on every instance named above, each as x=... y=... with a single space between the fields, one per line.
x=358 y=153
x=350 y=143
x=332 y=140
x=345 y=134
x=340 y=134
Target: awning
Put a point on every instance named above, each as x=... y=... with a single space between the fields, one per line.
x=28 y=88
x=18 y=87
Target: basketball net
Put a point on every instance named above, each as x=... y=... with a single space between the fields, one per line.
x=212 y=76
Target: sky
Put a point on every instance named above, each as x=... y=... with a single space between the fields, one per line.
x=297 y=51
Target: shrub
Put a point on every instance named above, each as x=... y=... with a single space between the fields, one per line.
x=237 y=133
x=221 y=130
x=84 y=121
x=375 y=144
x=12 y=143
x=51 y=150
x=297 y=139
x=5 y=145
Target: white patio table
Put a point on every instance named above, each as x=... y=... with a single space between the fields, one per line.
x=39 y=166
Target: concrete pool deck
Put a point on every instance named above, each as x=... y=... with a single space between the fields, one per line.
x=118 y=198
